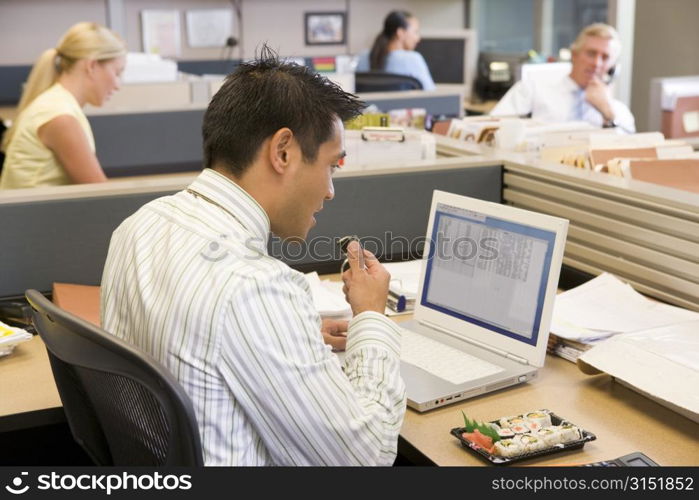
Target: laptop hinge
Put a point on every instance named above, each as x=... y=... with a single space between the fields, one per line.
x=518 y=359
x=487 y=347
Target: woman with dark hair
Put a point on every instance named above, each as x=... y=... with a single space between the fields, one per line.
x=394 y=49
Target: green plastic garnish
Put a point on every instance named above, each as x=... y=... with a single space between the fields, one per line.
x=485 y=429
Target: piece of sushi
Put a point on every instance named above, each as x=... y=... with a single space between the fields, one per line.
x=540 y=417
x=508 y=422
x=533 y=426
x=532 y=443
x=550 y=435
x=505 y=421
x=519 y=428
x=569 y=433
x=479 y=440
x=506 y=433
x=508 y=448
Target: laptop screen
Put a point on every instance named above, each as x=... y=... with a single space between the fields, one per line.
x=488 y=271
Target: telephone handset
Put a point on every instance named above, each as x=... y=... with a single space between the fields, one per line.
x=609 y=75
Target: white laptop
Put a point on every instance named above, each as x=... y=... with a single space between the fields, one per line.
x=483 y=309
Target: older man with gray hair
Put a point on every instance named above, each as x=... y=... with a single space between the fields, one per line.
x=584 y=94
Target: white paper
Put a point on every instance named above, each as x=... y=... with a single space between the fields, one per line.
x=209 y=27
x=142 y=67
x=405 y=277
x=673 y=152
x=678 y=343
x=160 y=31
x=10 y=336
x=640 y=140
x=605 y=306
x=661 y=363
x=328 y=297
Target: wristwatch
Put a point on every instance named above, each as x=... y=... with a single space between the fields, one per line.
x=609 y=124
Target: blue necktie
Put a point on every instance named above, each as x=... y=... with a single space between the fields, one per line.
x=579 y=110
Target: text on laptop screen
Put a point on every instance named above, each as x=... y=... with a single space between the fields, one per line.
x=488 y=271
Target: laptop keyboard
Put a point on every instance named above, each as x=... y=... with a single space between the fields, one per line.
x=442 y=360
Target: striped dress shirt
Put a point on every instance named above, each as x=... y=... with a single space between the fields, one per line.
x=188 y=280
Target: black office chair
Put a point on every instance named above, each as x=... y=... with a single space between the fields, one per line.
x=123 y=407
x=380 y=81
x=3 y=128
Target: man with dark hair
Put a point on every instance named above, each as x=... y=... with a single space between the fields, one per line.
x=188 y=279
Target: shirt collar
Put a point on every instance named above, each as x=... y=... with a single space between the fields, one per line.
x=572 y=84
x=231 y=197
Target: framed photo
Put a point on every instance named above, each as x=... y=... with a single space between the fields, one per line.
x=325 y=28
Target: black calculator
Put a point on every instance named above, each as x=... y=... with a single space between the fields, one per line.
x=635 y=459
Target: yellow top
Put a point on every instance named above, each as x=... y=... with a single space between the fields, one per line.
x=28 y=162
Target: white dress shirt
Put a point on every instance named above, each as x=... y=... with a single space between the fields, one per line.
x=188 y=280
x=558 y=100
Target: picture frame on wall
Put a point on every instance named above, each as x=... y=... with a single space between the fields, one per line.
x=325 y=28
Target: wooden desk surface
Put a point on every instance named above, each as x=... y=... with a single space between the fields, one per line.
x=8 y=112
x=26 y=381
x=623 y=420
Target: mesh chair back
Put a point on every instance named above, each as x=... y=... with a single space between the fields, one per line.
x=380 y=81
x=123 y=407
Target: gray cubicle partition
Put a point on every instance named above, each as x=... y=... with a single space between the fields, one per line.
x=435 y=105
x=66 y=240
x=389 y=212
x=11 y=80
x=148 y=143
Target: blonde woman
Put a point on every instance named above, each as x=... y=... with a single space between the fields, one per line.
x=51 y=142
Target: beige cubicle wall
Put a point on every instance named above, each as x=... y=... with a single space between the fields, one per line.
x=646 y=234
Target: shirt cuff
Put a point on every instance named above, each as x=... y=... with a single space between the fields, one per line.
x=373 y=329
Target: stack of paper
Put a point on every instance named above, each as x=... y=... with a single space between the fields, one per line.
x=605 y=306
x=328 y=297
x=141 y=67
x=330 y=301
x=405 y=281
x=661 y=363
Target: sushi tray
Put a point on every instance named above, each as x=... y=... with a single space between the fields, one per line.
x=521 y=437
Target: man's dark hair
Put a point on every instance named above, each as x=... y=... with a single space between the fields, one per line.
x=263 y=96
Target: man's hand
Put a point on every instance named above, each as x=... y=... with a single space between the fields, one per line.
x=365 y=289
x=597 y=94
x=334 y=333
